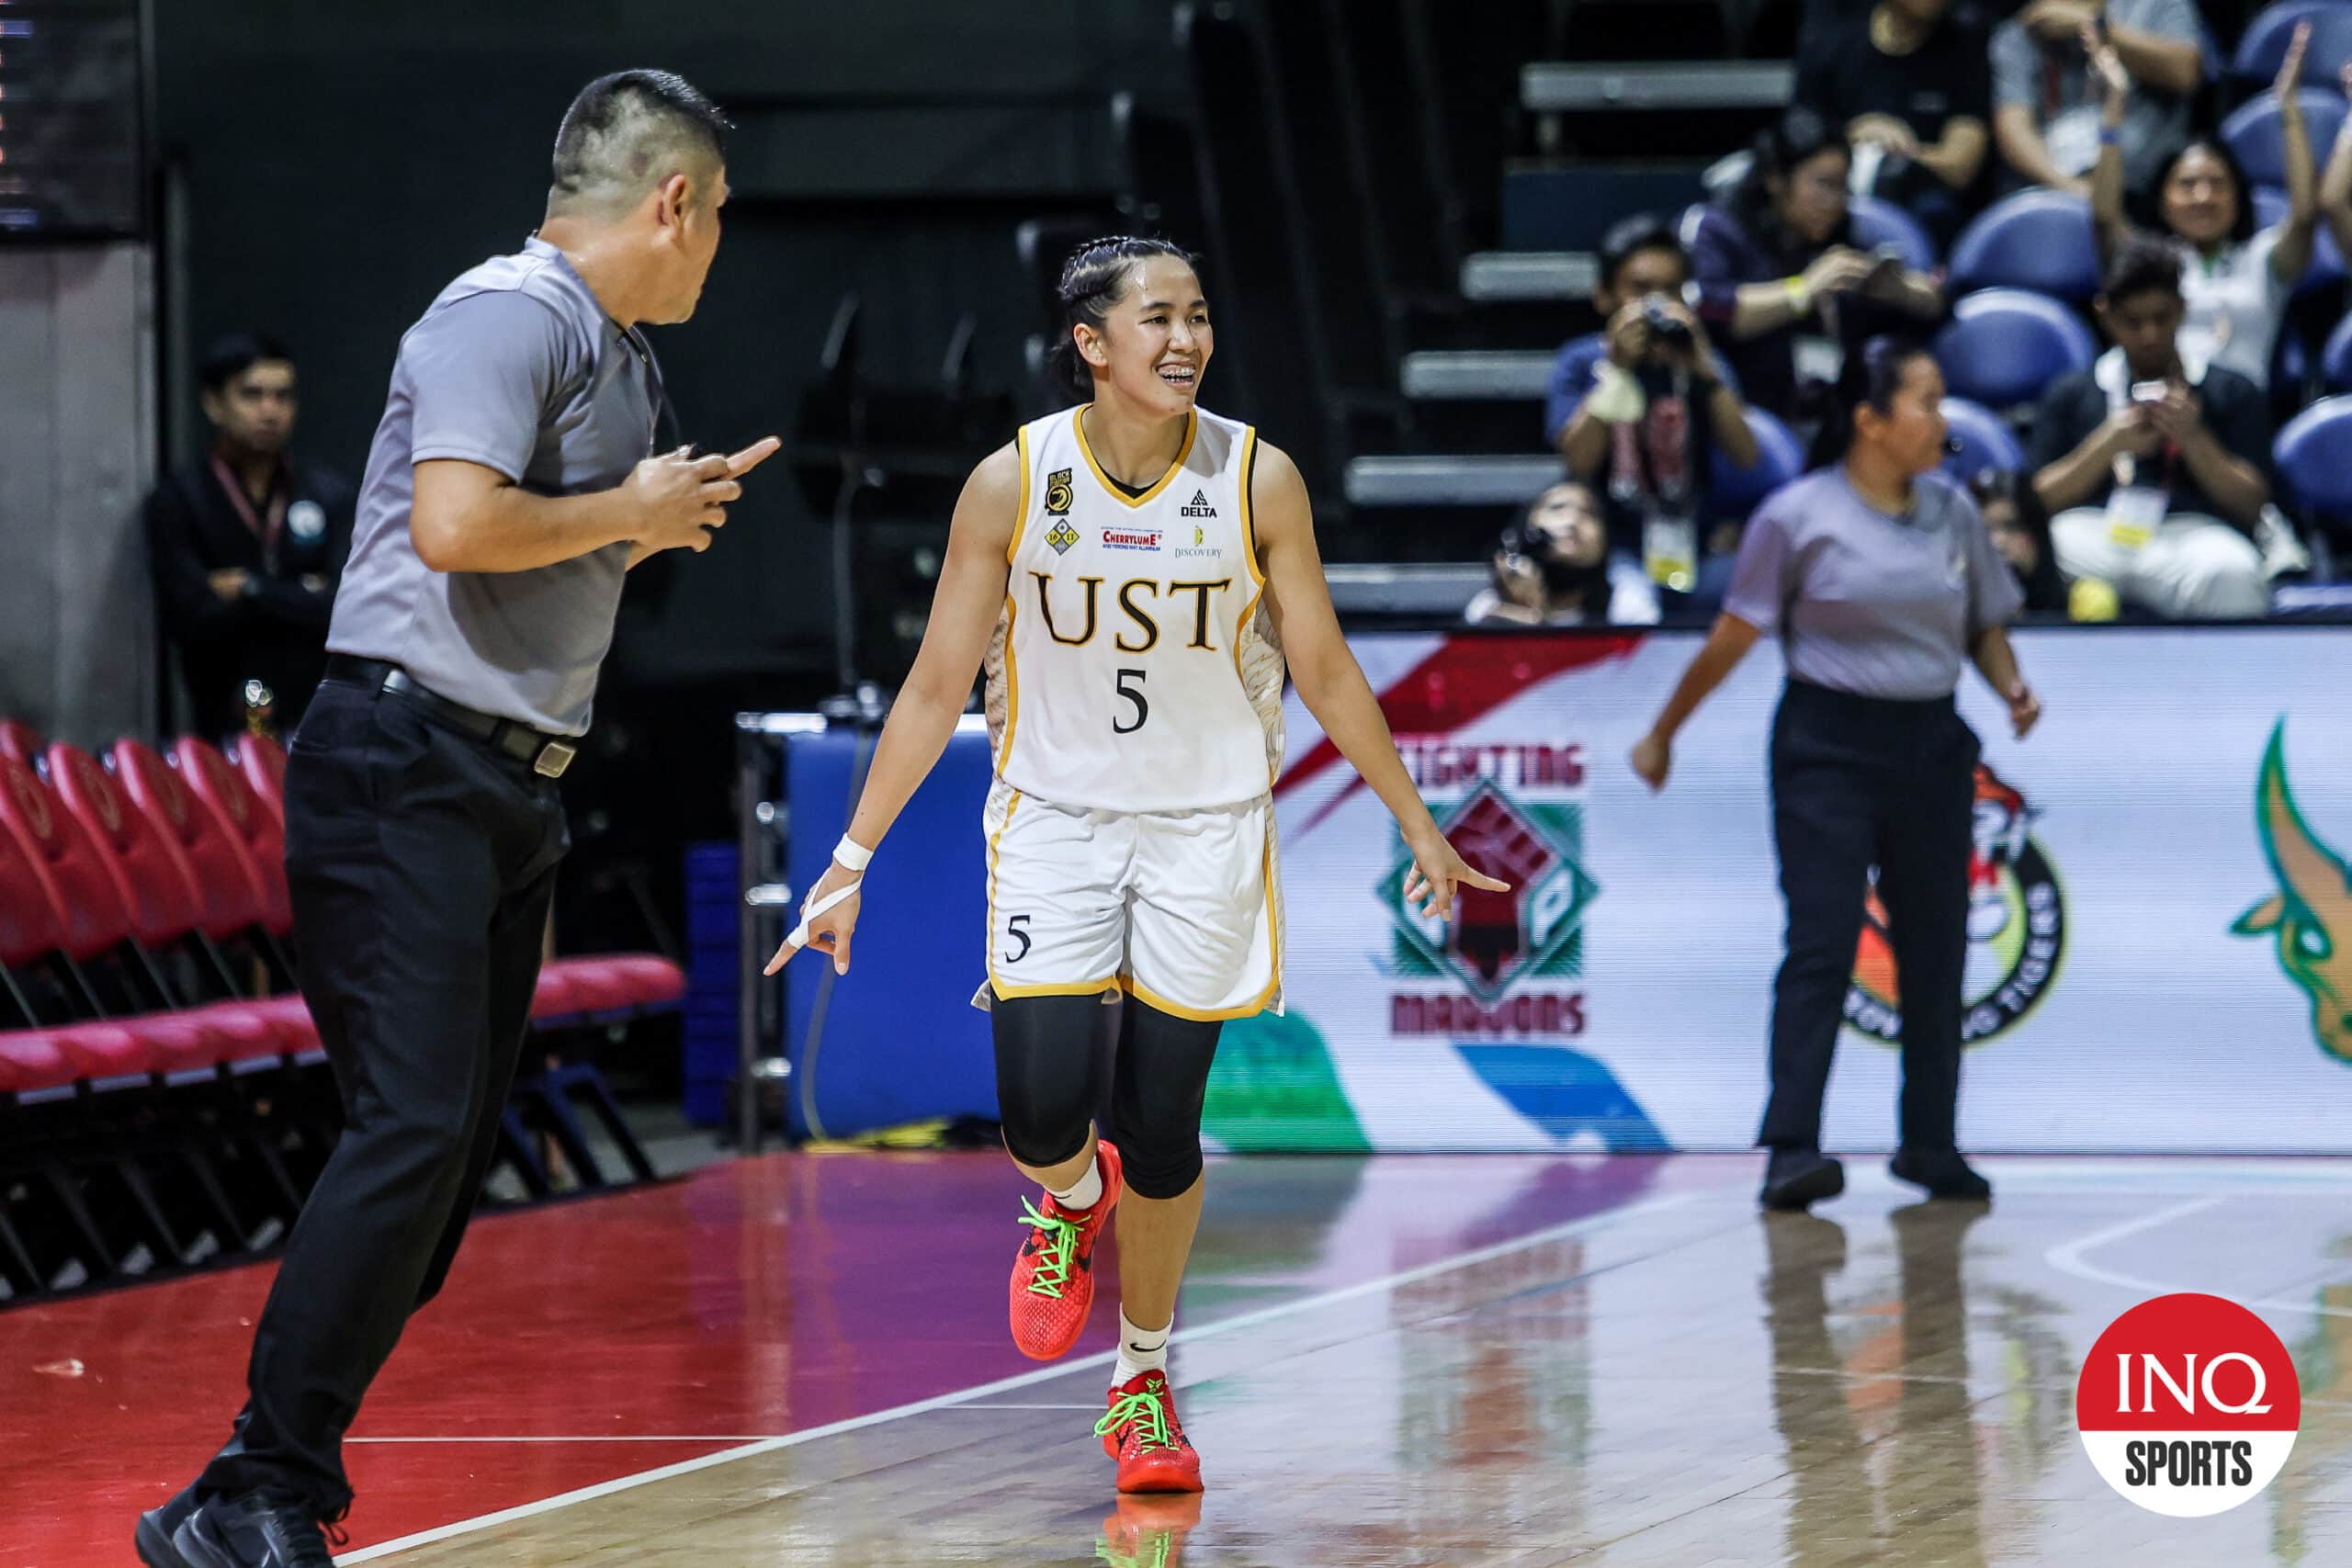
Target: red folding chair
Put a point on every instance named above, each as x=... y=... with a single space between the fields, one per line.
x=19 y=742
x=262 y=762
x=91 y=922
x=258 y=837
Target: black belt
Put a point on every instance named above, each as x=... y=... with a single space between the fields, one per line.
x=548 y=755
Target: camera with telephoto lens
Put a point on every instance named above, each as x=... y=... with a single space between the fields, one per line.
x=1666 y=330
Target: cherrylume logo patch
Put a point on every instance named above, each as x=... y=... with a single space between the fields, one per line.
x=2188 y=1404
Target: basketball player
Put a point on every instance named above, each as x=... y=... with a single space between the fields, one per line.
x=1134 y=571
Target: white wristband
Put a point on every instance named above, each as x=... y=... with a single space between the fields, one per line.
x=852 y=856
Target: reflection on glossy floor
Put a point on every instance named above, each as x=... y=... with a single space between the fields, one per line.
x=1460 y=1363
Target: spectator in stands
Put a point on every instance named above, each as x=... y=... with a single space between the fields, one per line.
x=1909 y=81
x=1639 y=410
x=247 y=544
x=2152 y=471
x=1776 y=256
x=2022 y=543
x=2236 y=282
x=2046 y=114
x=1553 y=568
x=2335 y=185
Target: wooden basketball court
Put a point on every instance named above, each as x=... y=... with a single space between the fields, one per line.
x=1475 y=1362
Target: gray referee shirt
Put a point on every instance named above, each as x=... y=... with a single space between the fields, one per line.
x=1865 y=602
x=516 y=367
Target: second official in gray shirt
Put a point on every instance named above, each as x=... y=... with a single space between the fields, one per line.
x=1884 y=585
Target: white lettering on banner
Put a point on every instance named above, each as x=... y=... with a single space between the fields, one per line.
x=1438 y=764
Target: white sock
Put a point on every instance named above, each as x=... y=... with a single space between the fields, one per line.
x=1086 y=1192
x=1141 y=1350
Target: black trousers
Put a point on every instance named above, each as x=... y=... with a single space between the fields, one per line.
x=1857 y=782
x=422 y=864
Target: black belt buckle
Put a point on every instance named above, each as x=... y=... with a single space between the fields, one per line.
x=553 y=759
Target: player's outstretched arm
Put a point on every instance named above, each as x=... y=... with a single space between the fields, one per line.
x=964 y=611
x=1331 y=683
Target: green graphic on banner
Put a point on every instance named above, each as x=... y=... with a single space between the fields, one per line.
x=1500 y=939
x=1273 y=1088
x=2309 y=916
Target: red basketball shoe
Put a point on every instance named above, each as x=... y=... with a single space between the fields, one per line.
x=1053 y=1278
x=1142 y=1433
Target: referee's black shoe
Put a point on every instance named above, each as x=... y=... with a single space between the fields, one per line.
x=1942 y=1172
x=155 y=1527
x=1797 y=1179
x=259 y=1529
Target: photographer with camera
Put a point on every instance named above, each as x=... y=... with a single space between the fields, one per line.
x=1639 y=410
x=1553 y=568
x=2155 y=475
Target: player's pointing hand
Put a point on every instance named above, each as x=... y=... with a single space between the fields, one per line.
x=1440 y=873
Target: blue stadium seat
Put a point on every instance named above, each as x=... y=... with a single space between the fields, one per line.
x=1779 y=457
x=2327 y=263
x=2265 y=43
x=2253 y=133
x=2336 y=360
x=2040 y=240
x=2309 y=459
x=1877 y=223
x=1985 y=441
x=2005 y=344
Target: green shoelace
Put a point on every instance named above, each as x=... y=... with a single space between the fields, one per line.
x=1148 y=1408
x=1059 y=1237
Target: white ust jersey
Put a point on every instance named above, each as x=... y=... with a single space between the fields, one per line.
x=1136 y=666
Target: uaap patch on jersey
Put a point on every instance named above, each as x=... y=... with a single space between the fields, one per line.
x=1061 y=535
x=1058 y=494
x=1131 y=538
x=1199 y=507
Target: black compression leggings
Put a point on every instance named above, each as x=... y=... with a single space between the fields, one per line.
x=1055 y=1054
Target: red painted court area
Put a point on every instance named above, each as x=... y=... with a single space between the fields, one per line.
x=579 y=1344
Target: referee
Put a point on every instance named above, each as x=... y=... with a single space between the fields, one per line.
x=1882 y=582
x=510 y=488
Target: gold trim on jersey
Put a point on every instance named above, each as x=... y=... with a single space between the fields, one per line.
x=1248 y=513
x=1021 y=518
x=1249 y=544
x=1011 y=681
x=1191 y=431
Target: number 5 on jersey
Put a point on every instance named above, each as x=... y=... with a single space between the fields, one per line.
x=1133 y=693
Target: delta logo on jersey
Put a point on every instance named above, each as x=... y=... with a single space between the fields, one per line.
x=1501 y=947
x=2188 y=1404
x=2017 y=928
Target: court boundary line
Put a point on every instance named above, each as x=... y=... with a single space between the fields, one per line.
x=1212 y=1329
x=2067 y=1259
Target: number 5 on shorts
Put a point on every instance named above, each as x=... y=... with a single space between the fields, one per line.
x=1012 y=928
x=1134 y=694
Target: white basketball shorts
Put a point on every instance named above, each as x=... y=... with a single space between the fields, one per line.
x=1180 y=910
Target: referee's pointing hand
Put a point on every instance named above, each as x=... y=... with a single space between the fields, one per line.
x=680 y=498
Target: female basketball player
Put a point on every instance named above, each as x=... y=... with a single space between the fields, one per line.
x=1134 y=570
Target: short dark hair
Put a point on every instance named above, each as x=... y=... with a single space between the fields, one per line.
x=231 y=355
x=1628 y=237
x=1094 y=278
x=2141 y=266
x=615 y=133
